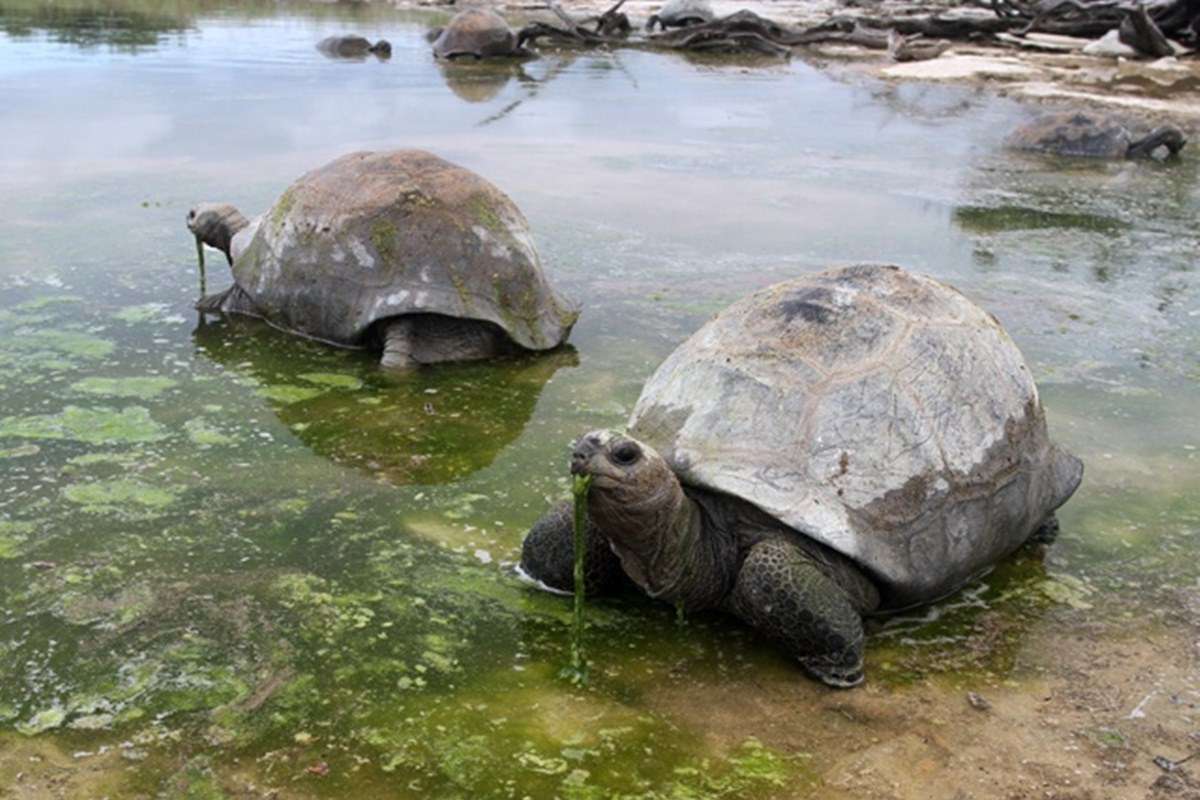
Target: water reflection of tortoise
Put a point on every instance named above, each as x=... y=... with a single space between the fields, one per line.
x=480 y=82
x=426 y=427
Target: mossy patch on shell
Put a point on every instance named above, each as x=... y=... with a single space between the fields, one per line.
x=483 y=210
x=383 y=237
x=283 y=207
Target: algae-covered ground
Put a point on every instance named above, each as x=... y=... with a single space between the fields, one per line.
x=238 y=564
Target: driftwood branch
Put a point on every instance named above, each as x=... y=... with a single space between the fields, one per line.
x=741 y=31
x=904 y=37
x=610 y=28
x=1139 y=32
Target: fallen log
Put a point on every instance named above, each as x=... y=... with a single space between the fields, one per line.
x=1139 y=32
x=739 y=32
x=609 y=28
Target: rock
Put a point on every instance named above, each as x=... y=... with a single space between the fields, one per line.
x=1049 y=42
x=978 y=702
x=957 y=67
x=1110 y=45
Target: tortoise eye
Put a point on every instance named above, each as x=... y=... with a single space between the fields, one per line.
x=626 y=453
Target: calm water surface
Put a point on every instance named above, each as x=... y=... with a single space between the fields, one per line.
x=226 y=552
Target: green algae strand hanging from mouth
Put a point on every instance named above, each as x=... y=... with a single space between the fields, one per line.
x=576 y=671
x=200 y=258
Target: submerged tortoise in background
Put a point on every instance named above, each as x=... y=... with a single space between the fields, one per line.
x=681 y=14
x=856 y=441
x=1088 y=135
x=354 y=47
x=476 y=33
x=400 y=250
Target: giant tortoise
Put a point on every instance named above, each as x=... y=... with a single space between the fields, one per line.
x=397 y=250
x=856 y=441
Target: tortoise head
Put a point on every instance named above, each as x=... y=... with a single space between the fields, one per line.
x=635 y=496
x=382 y=49
x=1166 y=136
x=215 y=224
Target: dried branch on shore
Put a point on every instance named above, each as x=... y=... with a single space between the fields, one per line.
x=905 y=38
x=610 y=28
x=743 y=31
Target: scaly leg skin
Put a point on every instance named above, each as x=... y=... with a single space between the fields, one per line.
x=233 y=300
x=398 y=345
x=1047 y=532
x=548 y=553
x=782 y=593
x=415 y=339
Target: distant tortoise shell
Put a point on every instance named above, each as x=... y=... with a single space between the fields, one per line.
x=1072 y=133
x=477 y=32
x=685 y=12
x=375 y=235
x=879 y=412
x=344 y=46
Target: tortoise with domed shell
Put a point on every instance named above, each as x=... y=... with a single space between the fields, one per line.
x=856 y=441
x=399 y=251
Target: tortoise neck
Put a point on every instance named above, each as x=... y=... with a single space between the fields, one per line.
x=670 y=545
x=219 y=228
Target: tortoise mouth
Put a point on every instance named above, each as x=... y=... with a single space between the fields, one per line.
x=602 y=477
x=590 y=456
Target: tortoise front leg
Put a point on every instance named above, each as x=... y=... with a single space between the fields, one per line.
x=782 y=593
x=1047 y=532
x=548 y=554
x=398 y=344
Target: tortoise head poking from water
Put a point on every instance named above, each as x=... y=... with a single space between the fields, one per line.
x=854 y=441
x=400 y=251
x=354 y=47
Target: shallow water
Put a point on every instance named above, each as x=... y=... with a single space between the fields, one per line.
x=232 y=555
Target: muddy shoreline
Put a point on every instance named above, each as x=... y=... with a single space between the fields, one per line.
x=1040 y=68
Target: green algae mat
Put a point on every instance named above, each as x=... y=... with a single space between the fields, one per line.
x=230 y=558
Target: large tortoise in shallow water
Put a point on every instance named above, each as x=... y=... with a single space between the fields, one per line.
x=476 y=33
x=855 y=441
x=399 y=250
x=1073 y=133
x=355 y=47
x=681 y=14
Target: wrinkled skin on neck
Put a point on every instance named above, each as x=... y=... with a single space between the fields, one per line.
x=662 y=537
x=215 y=224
